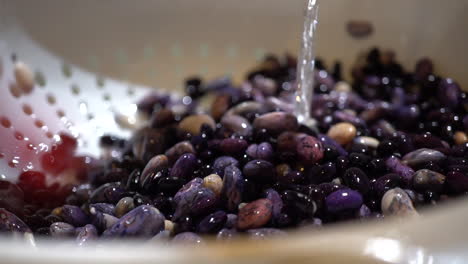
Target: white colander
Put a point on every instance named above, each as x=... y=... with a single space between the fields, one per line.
x=93 y=60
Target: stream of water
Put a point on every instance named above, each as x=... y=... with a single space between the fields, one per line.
x=305 y=66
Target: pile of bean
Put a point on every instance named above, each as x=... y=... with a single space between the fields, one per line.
x=387 y=144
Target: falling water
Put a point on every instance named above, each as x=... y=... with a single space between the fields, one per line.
x=305 y=66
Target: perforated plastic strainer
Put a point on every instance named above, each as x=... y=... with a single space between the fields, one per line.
x=63 y=98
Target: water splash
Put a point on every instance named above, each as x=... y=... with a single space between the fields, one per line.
x=28 y=167
x=305 y=66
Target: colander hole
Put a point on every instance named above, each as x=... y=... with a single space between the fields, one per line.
x=51 y=99
x=27 y=109
x=2 y=155
x=66 y=70
x=18 y=135
x=100 y=82
x=15 y=90
x=39 y=123
x=49 y=134
x=60 y=113
x=40 y=79
x=90 y=116
x=106 y=97
x=6 y=123
x=131 y=91
x=75 y=89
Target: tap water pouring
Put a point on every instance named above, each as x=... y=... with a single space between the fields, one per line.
x=305 y=67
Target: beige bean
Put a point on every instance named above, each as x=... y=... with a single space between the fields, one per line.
x=192 y=124
x=24 y=77
x=460 y=137
x=343 y=133
x=214 y=183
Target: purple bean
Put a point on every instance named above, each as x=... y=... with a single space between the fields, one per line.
x=221 y=163
x=233 y=187
x=74 y=215
x=11 y=223
x=343 y=200
x=143 y=221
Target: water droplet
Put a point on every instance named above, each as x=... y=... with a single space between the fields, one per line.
x=14 y=162
x=43 y=147
x=87 y=159
x=74 y=131
x=6 y=123
x=27 y=109
x=83 y=107
x=116 y=153
x=57 y=139
x=28 y=167
x=64 y=120
x=18 y=135
x=31 y=146
x=186 y=100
